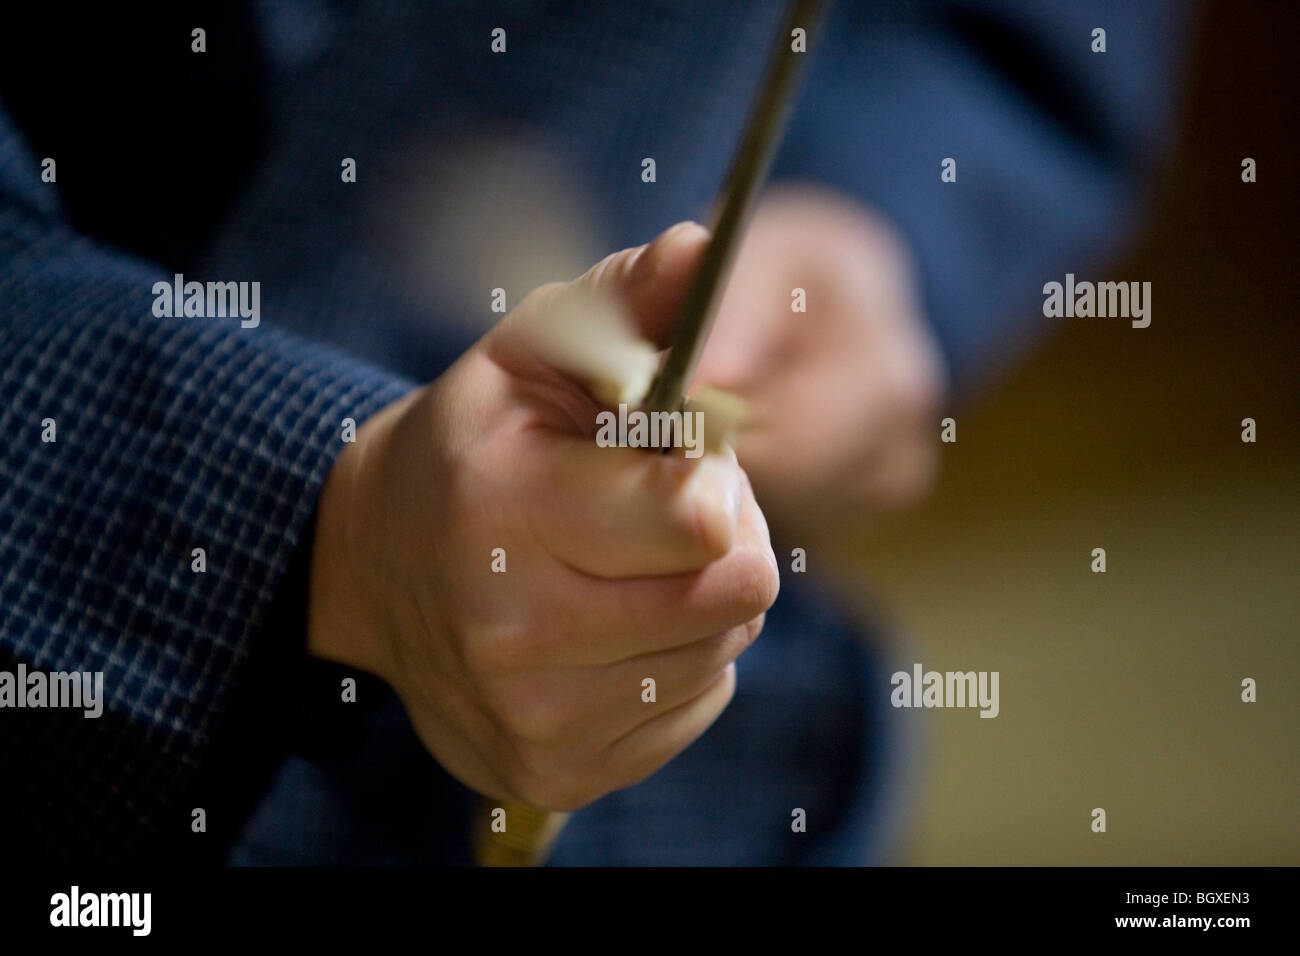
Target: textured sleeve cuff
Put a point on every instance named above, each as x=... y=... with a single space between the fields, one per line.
x=157 y=478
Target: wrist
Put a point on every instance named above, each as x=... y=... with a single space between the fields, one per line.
x=344 y=611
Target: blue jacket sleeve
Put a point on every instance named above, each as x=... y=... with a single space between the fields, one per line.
x=1053 y=145
x=169 y=434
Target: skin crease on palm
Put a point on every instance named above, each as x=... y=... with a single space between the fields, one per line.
x=526 y=685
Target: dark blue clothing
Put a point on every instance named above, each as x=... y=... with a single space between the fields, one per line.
x=176 y=433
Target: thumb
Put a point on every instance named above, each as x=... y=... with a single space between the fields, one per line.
x=650 y=281
x=606 y=326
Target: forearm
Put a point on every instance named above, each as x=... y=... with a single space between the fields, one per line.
x=159 y=476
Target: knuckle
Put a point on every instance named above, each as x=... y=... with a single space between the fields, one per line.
x=489 y=654
x=756 y=584
x=711 y=528
x=550 y=790
x=534 y=718
x=515 y=647
x=737 y=640
x=719 y=651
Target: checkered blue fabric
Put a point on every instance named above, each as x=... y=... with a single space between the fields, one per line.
x=174 y=434
x=169 y=435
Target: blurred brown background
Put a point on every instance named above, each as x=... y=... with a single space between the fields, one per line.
x=1122 y=690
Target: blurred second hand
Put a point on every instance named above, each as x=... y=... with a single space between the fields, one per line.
x=516 y=834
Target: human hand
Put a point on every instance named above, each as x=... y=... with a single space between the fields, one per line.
x=619 y=565
x=843 y=398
